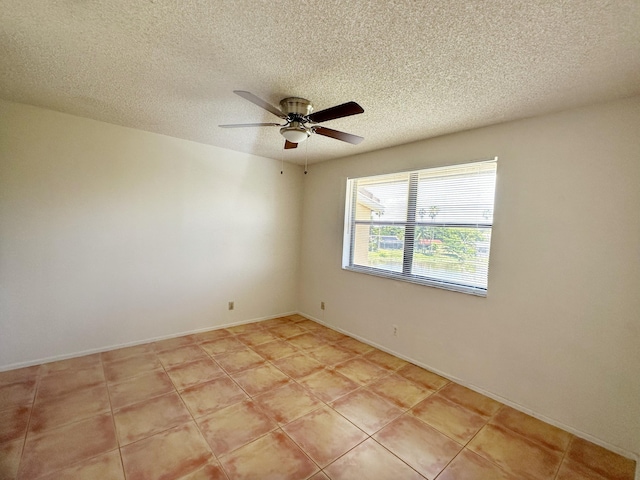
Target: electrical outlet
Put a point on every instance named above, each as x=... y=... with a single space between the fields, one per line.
x=321 y=305
x=395 y=330
x=231 y=305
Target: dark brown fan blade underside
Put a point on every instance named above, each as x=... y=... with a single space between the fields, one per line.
x=259 y=102
x=339 y=111
x=288 y=145
x=240 y=125
x=345 y=137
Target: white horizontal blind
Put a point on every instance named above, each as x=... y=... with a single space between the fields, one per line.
x=428 y=226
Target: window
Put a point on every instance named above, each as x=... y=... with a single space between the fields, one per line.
x=431 y=227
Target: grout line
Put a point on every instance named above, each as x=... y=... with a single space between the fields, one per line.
x=113 y=419
x=564 y=455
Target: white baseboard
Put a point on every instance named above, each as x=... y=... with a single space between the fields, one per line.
x=506 y=401
x=91 y=351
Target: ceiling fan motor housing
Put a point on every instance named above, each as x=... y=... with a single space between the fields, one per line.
x=296 y=106
x=296 y=109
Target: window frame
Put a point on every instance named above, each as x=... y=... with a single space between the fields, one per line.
x=410 y=225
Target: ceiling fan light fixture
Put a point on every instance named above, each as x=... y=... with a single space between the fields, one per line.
x=295 y=133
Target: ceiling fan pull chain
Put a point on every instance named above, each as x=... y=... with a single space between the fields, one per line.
x=306 y=156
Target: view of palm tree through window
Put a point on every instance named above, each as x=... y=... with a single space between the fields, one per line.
x=430 y=226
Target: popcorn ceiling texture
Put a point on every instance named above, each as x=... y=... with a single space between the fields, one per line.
x=418 y=68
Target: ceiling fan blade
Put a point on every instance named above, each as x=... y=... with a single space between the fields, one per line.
x=339 y=111
x=288 y=145
x=240 y=125
x=345 y=137
x=259 y=102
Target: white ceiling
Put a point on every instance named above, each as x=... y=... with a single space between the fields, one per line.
x=418 y=68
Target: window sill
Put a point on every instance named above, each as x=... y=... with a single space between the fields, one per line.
x=479 y=292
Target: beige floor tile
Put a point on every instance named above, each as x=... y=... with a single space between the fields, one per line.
x=222 y=346
x=274 y=322
x=10 y=453
x=366 y=410
x=331 y=354
x=298 y=365
x=470 y=400
x=80 y=404
x=469 y=465
x=211 y=335
x=421 y=446
x=170 y=454
x=173 y=343
x=235 y=426
x=331 y=336
x=447 y=417
x=78 y=363
x=324 y=435
x=296 y=318
x=361 y=371
x=515 y=454
x=246 y=328
x=287 y=403
x=211 y=471
x=400 y=391
x=16 y=394
x=257 y=337
x=211 y=396
x=107 y=466
x=306 y=341
x=62 y=447
x=19 y=375
x=422 y=377
x=186 y=375
x=310 y=325
x=319 y=476
x=532 y=428
x=604 y=462
x=13 y=422
x=385 y=360
x=137 y=389
x=570 y=470
x=239 y=360
x=275 y=350
x=328 y=385
x=131 y=367
x=370 y=460
x=67 y=381
x=355 y=346
x=260 y=379
x=178 y=356
x=287 y=330
x=127 y=352
x=272 y=456
x=144 y=419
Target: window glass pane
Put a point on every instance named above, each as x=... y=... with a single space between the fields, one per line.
x=379 y=247
x=457 y=255
x=383 y=198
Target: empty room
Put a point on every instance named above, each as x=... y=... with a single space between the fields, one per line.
x=320 y=240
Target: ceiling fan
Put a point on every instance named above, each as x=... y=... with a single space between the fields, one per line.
x=300 y=122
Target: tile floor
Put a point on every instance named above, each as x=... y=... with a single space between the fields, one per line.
x=286 y=398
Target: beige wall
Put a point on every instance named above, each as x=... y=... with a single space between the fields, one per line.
x=111 y=235
x=559 y=332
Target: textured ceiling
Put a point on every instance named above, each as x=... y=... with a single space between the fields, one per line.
x=418 y=68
